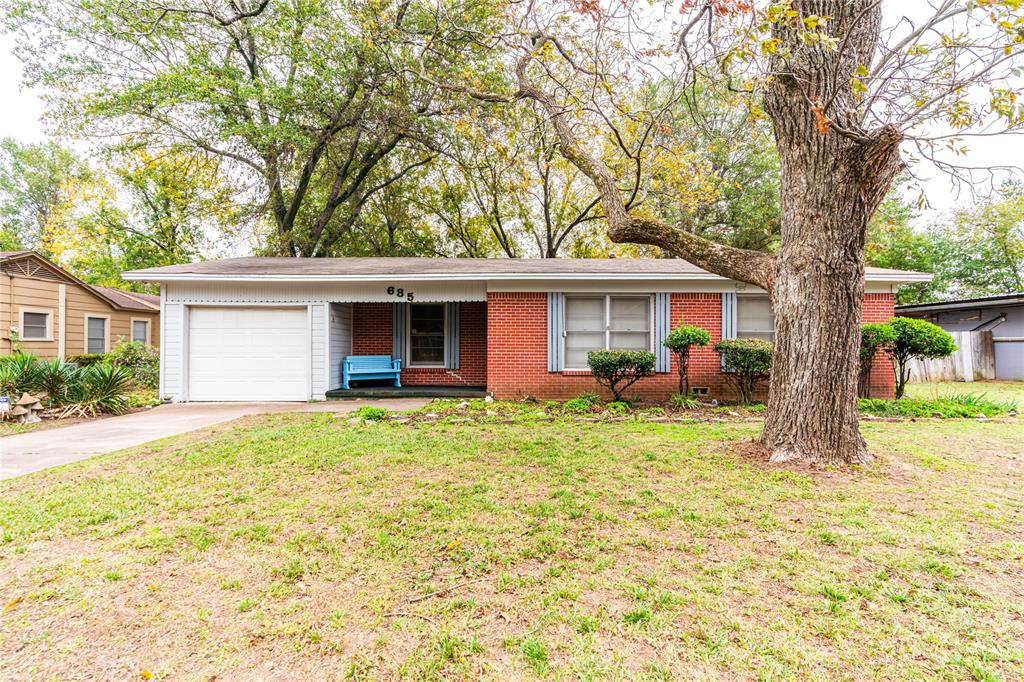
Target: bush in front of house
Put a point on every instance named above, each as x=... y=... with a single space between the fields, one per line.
x=86 y=359
x=747 y=362
x=874 y=337
x=142 y=360
x=19 y=373
x=680 y=340
x=99 y=388
x=617 y=370
x=915 y=339
x=81 y=391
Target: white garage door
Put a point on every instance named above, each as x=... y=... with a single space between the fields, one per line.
x=247 y=354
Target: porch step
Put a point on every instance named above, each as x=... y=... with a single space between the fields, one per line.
x=409 y=392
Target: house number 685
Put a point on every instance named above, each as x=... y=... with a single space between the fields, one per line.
x=400 y=293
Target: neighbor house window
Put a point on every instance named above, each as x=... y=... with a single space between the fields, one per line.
x=95 y=335
x=604 y=323
x=35 y=326
x=426 y=334
x=754 y=318
x=140 y=331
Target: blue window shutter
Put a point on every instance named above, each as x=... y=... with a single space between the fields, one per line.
x=451 y=321
x=729 y=316
x=556 y=329
x=398 y=335
x=662 y=326
x=728 y=319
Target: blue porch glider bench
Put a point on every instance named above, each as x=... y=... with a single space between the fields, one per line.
x=356 y=367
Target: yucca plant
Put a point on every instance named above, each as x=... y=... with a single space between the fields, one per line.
x=19 y=373
x=99 y=388
x=58 y=379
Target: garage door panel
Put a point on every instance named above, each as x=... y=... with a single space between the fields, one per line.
x=248 y=354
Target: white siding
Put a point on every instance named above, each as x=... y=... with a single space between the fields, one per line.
x=318 y=350
x=312 y=292
x=339 y=340
x=172 y=348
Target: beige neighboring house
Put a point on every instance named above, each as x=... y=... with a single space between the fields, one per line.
x=54 y=314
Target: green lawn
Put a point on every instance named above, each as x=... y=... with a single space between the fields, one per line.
x=293 y=546
x=1003 y=391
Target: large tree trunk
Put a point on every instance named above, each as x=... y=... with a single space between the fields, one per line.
x=833 y=175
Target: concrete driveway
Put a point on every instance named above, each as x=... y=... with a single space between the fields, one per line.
x=27 y=452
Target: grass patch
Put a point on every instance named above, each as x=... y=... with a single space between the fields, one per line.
x=286 y=543
x=952 y=406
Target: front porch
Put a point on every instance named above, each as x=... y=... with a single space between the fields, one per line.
x=380 y=392
x=442 y=346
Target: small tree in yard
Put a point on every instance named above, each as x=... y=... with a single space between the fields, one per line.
x=680 y=340
x=918 y=339
x=874 y=337
x=747 y=363
x=620 y=369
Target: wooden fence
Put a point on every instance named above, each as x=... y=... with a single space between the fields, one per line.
x=974 y=360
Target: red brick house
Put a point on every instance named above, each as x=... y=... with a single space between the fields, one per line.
x=280 y=328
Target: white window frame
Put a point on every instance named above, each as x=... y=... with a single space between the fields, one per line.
x=149 y=329
x=408 y=335
x=85 y=331
x=40 y=311
x=739 y=302
x=607 y=321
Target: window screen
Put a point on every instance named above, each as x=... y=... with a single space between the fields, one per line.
x=140 y=331
x=96 y=335
x=584 y=329
x=754 y=318
x=605 y=322
x=35 y=325
x=426 y=334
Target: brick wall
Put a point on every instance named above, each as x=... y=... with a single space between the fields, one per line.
x=517 y=363
x=517 y=350
x=879 y=308
x=371 y=335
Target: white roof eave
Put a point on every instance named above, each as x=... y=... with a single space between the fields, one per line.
x=905 y=278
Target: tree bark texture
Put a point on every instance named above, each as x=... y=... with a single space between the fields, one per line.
x=833 y=175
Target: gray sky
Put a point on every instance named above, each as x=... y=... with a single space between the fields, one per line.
x=21 y=112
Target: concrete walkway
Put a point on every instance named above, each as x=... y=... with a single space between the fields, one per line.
x=24 y=453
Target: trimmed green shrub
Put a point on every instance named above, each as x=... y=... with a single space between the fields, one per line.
x=874 y=337
x=142 y=360
x=747 y=362
x=680 y=340
x=913 y=338
x=86 y=359
x=592 y=398
x=619 y=369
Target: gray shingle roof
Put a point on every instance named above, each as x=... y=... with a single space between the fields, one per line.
x=129 y=299
x=482 y=268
